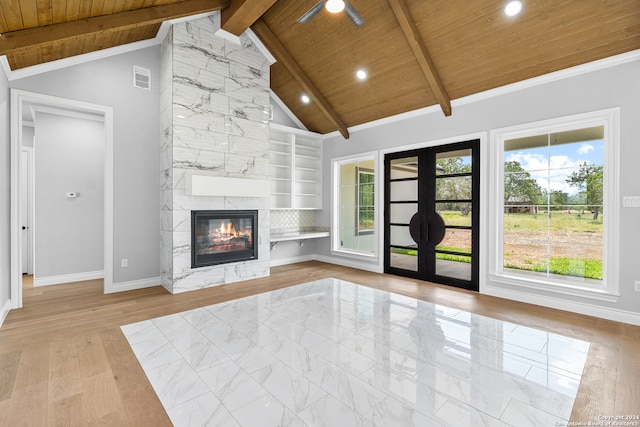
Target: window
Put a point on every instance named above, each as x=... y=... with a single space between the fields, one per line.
x=366 y=200
x=554 y=203
x=354 y=210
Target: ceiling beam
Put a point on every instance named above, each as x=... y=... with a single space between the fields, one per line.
x=283 y=56
x=421 y=53
x=241 y=14
x=58 y=33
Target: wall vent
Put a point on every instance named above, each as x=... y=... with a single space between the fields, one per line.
x=141 y=77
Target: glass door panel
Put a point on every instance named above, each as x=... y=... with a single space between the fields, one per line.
x=404 y=168
x=431 y=214
x=401 y=213
x=402 y=190
x=405 y=190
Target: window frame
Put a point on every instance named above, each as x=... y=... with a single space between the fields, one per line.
x=359 y=170
x=336 y=248
x=608 y=288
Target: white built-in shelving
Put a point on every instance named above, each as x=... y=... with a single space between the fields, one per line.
x=295 y=159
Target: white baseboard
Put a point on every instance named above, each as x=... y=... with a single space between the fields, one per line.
x=67 y=278
x=291 y=260
x=375 y=268
x=562 y=304
x=4 y=311
x=136 y=284
x=328 y=259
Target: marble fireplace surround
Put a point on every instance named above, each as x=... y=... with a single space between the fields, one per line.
x=215 y=142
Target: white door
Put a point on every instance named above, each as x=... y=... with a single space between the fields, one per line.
x=25 y=210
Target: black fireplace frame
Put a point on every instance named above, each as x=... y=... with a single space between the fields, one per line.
x=205 y=260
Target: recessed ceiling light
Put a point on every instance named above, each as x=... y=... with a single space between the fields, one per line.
x=361 y=74
x=305 y=99
x=334 y=6
x=513 y=8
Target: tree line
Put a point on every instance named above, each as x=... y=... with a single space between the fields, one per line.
x=521 y=189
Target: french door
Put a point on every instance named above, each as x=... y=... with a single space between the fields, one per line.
x=431 y=214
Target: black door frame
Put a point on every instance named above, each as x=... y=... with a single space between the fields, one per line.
x=426 y=204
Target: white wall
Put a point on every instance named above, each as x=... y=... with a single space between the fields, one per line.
x=616 y=86
x=136 y=141
x=5 y=197
x=69 y=232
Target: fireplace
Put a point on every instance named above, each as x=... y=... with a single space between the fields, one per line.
x=219 y=237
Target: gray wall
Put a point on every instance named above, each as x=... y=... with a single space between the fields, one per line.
x=291 y=249
x=280 y=117
x=617 y=86
x=27 y=136
x=69 y=232
x=136 y=140
x=5 y=193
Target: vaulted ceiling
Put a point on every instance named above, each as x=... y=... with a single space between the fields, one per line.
x=417 y=53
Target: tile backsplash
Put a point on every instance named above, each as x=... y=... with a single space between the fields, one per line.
x=283 y=221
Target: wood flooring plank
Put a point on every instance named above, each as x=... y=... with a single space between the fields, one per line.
x=65 y=378
x=33 y=369
x=101 y=397
x=27 y=407
x=139 y=400
x=9 y=363
x=67 y=412
x=628 y=385
x=92 y=358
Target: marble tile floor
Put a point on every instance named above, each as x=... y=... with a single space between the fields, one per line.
x=334 y=353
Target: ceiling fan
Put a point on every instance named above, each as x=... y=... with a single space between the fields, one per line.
x=333 y=6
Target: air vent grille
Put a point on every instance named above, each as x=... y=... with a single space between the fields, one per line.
x=141 y=77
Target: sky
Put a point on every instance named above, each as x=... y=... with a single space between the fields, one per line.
x=561 y=160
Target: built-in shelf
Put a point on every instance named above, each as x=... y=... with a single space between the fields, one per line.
x=300 y=236
x=295 y=168
x=284 y=144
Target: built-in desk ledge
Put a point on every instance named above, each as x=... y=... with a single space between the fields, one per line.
x=300 y=235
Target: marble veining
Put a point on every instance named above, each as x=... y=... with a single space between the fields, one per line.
x=214 y=116
x=334 y=353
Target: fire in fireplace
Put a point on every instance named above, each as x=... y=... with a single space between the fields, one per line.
x=219 y=237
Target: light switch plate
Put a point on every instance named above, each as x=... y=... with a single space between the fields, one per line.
x=631 y=202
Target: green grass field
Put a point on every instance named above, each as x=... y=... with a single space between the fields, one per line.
x=559 y=220
x=573 y=222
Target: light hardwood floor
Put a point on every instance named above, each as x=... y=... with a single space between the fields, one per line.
x=64 y=360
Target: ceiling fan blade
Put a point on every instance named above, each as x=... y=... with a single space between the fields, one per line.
x=311 y=12
x=353 y=14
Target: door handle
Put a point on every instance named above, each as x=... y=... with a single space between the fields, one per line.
x=436 y=229
x=24 y=228
x=416 y=227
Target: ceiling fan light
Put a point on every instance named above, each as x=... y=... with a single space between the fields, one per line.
x=334 y=6
x=513 y=8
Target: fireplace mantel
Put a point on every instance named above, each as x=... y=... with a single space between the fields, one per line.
x=206 y=185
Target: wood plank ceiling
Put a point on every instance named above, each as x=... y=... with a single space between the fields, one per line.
x=417 y=53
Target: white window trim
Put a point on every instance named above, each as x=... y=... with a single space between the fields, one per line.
x=336 y=163
x=608 y=288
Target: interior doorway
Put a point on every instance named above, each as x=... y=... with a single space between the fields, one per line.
x=432 y=206
x=21 y=101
